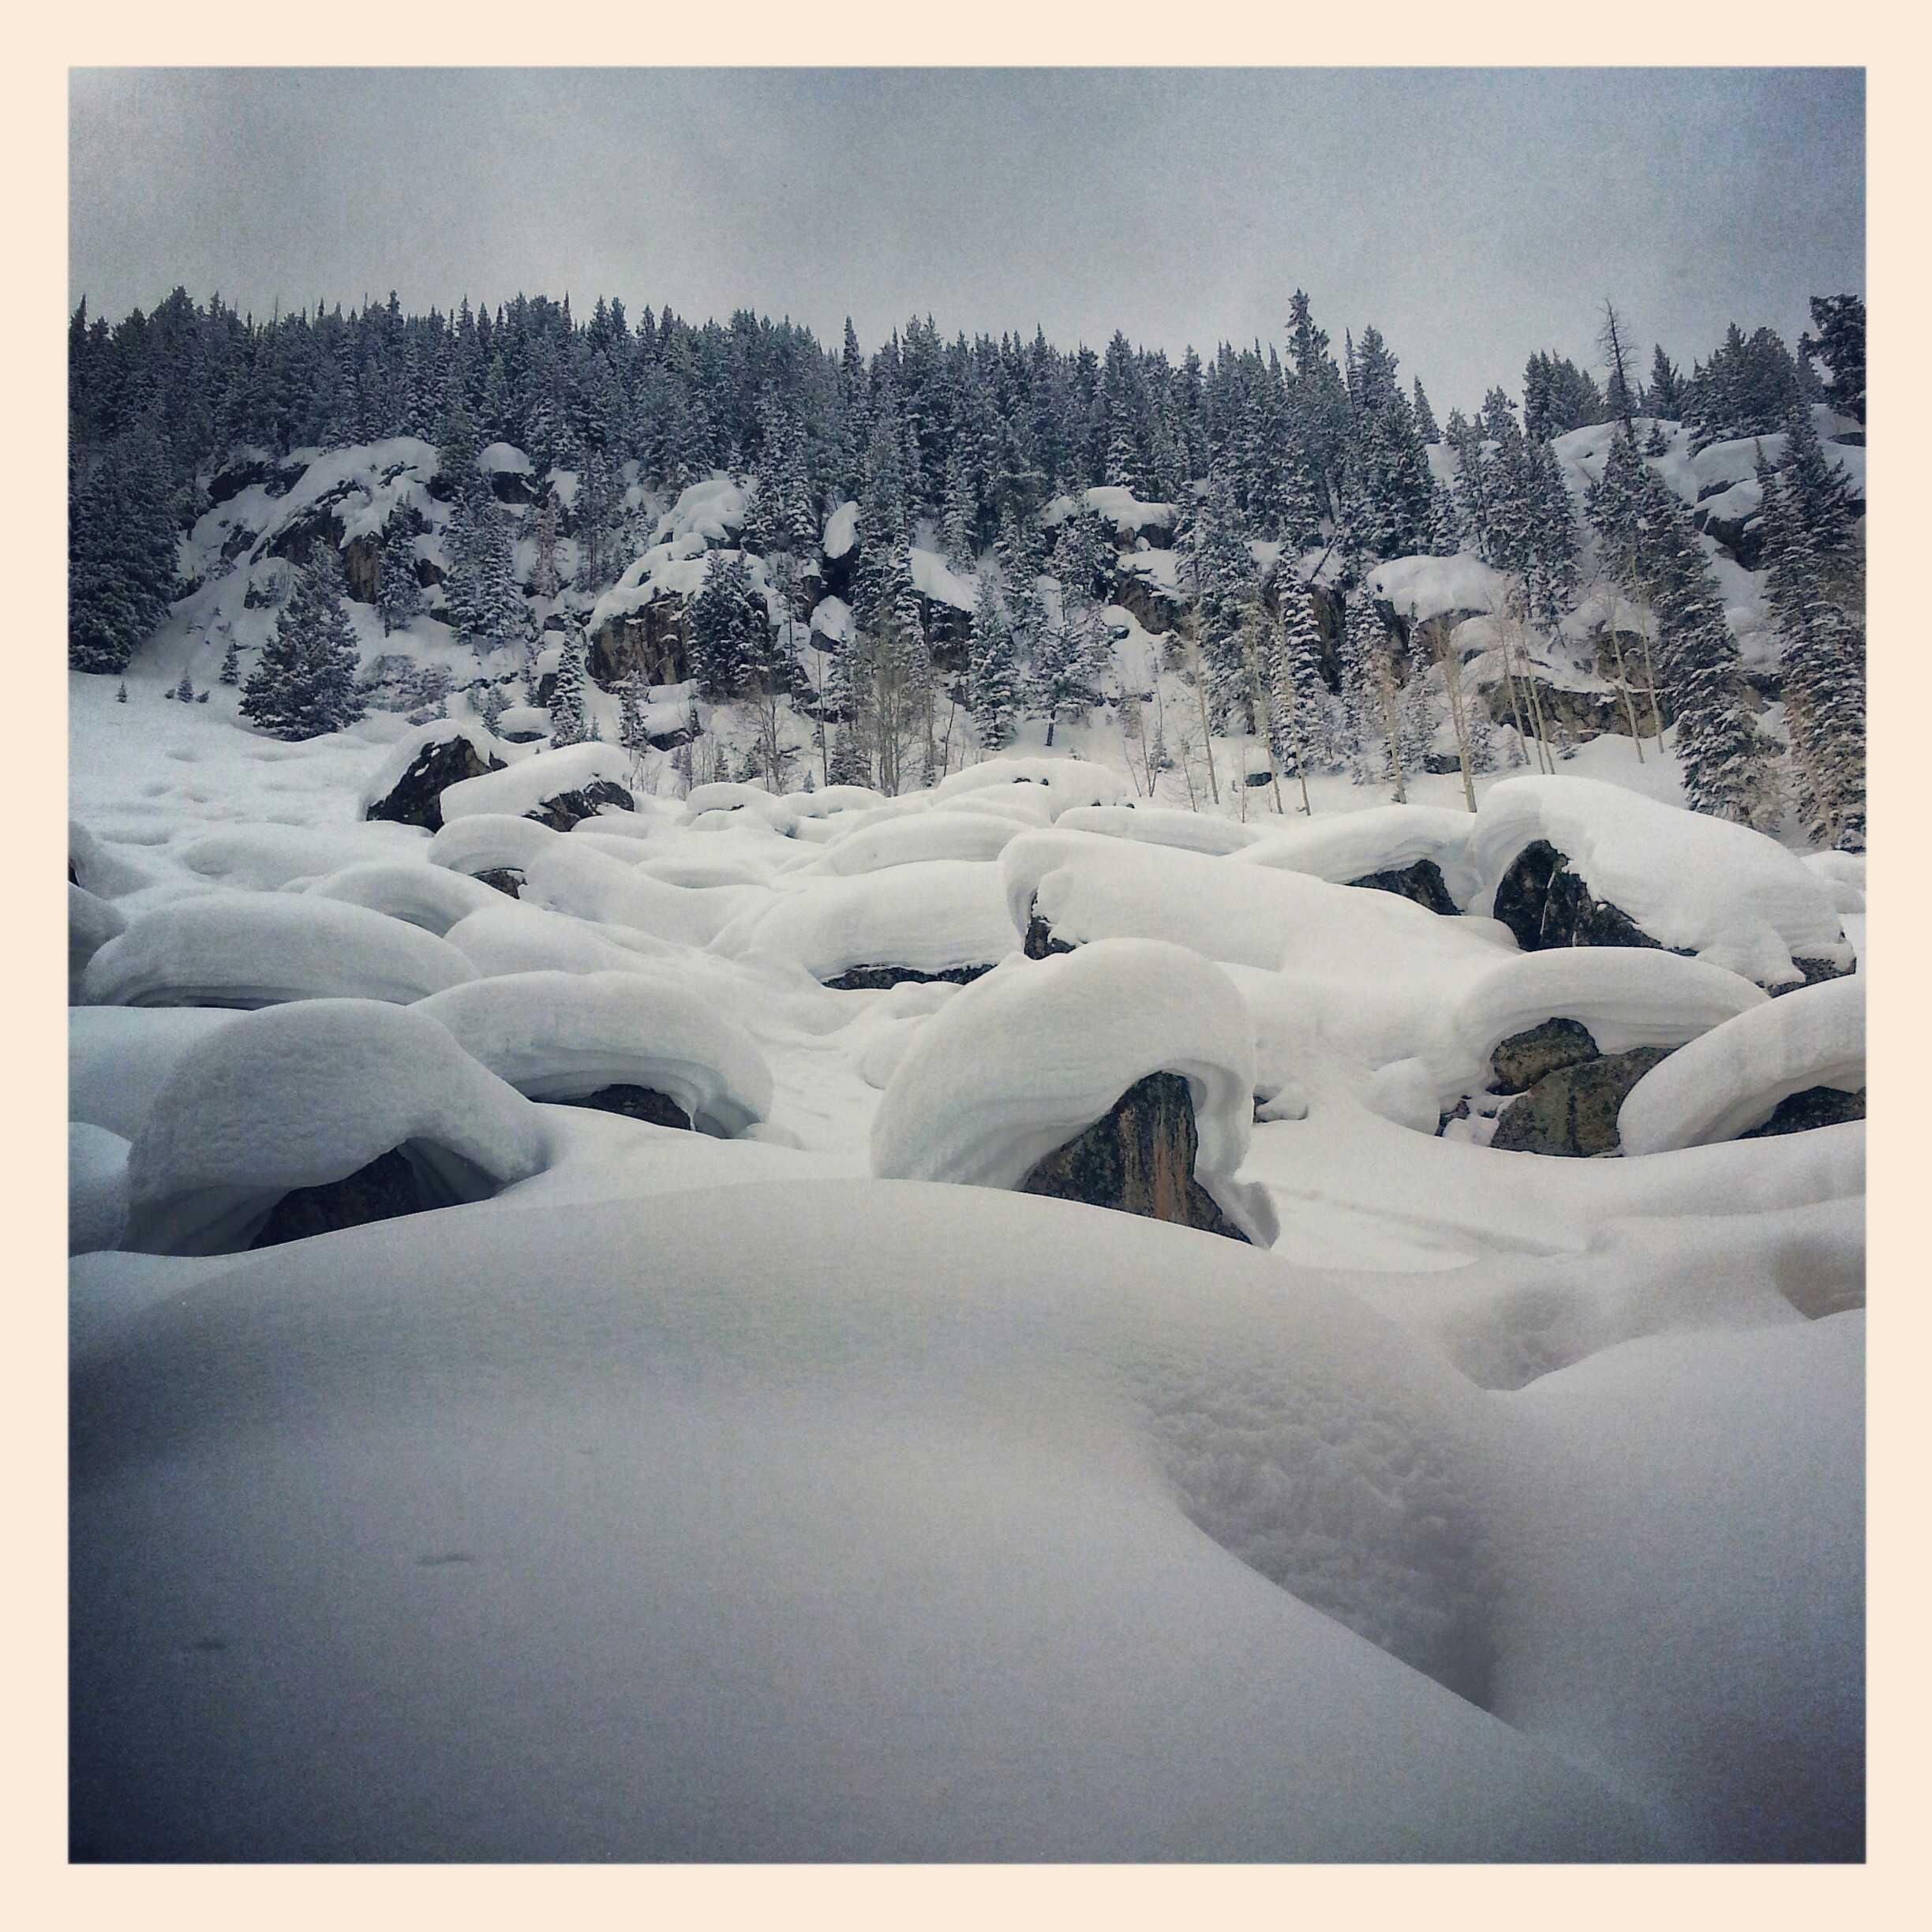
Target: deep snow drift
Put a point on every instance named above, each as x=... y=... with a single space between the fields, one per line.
x=794 y=1488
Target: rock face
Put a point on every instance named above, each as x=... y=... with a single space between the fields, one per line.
x=881 y=979
x=504 y=878
x=380 y=1192
x=1582 y=714
x=1573 y=1111
x=1139 y=1159
x=569 y=808
x=417 y=797
x=1524 y=1058
x=651 y=640
x=1816 y=1107
x=1422 y=882
x=638 y=1103
x=1816 y=972
x=1545 y=904
x=1039 y=942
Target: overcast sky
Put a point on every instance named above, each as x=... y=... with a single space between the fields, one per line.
x=1474 y=216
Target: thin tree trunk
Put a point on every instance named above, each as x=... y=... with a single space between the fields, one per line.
x=1459 y=714
x=1200 y=699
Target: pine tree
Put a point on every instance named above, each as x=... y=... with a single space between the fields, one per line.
x=545 y=582
x=1840 y=343
x=727 y=624
x=184 y=691
x=1365 y=650
x=995 y=677
x=304 y=683
x=1303 y=735
x=231 y=662
x=399 y=596
x=121 y=693
x=567 y=695
x=632 y=697
x=120 y=551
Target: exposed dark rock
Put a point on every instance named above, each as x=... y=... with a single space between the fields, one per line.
x=1040 y=942
x=1582 y=715
x=387 y=1187
x=1139 y=1159
x=505 y=878
x=1816 y=1107
x=639 y=1103
x=417 y=797
x=1816 y=972
x=514 y=486
x=1524 y=1058
x=878 y=979
x=237 y=541
x=650 y=639
x=569 y=808
x=1153 y=608
x=1459 y=1111
x=1742 y=536
x=1573 y=1112
x=1545 y=905
x=1442 y=764
x=1422 y=882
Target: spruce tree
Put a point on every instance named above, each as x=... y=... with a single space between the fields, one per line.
x=231 y=662
x=304 y=683
x=398 y=597
x=995 y=677
x=120 y=551
x=1303 y=735
x=567 y=695
x=184 y=691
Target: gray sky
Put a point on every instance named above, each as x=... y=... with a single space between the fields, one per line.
x=1472 y=215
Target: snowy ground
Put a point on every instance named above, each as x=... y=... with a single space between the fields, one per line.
x=791 y=1490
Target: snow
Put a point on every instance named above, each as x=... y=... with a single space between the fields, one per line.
x=988 y=1554
x=560 y=1035
x=572 y=876
x=841 y=531
x=432 y=896
x=1345 y=846
x=97 y=1188
x=1420 y=588
x=258 y=949
x=526 y=786
x=1121 y=508
x=91 y=923
x=119 y=1057
x=509 y=937
x=832 y=619
x=925 y=835
x=502 y=459
x=1626 y=996
x=1038 y=1049
x=1728 y=894
x=1071 y=782
x=1157 y=825
x=488 y=842
x=929 y=915
x=106 y=874
x=933 y=578
x=294 y=1096
x=404 y=752
x=1731 y=1078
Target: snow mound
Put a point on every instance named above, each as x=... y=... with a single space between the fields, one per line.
x=296 y=1096
x=1419 y=588
x=512 y=938
x=573 y=876
x=1039 y=1049
x=488 y=842
x=729 y=796
x=266 y=858
x=527 y=784
x=1150 y=1456
x=91 y=922
x=928 y=835
x=1705 y=886
x=1069 y=782
x=705 y=514
x=433 y=896
x=841 y=530
x=1157 y=825
x=1128 y=513
x=504 y=458
x=560 y=1036
x=933 y=578
x=1626 y=996
x=95 y=869
x=930 y=916
x=1342 y=847
x=1732 y=1078
x=97 y=1188
x=261 y=949
x=119 y=1057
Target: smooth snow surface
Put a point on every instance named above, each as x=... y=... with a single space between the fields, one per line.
x=524 y=786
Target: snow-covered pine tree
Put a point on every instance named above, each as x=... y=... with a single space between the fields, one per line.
x=121 y=692
x=399 y=596
x=1824 y=673
x=1365 y=733
x=632 y=696
x=304 y=683
x=994 y=686
x=957 y=518
x=545 y=582
x=230 y=672
x=119 y=550
x=567 y=725
x=726 y=621
x=1298 y=700
x=185 y=691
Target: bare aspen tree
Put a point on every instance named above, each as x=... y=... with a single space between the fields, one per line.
x=1444 y=651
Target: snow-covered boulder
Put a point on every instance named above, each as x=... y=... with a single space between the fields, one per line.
x=1356 y=847
x=1735 y=1078
x=1068 y=781
x=933 y=919
x=556 y=788
x=97 y=1188
x=261 y=949
x=573 y=877
x=433 y=896
x=407 y=787
x=926 y=835
x=1157 y=825
x=300 y=1099
x=92 y=922
x=1030 y=1058
x=1622 y=998
x=573 y=1037
x=491 y=845
x=1568 y=861
x=92 y=866
x=511 y=938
